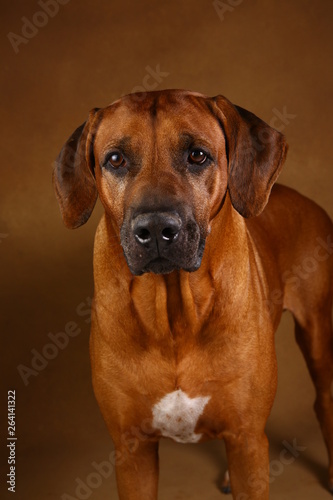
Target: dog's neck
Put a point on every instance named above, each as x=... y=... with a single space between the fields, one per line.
x=187 y=298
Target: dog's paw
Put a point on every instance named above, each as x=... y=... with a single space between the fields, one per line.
x=225 y=486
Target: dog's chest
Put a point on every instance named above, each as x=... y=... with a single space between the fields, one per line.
x=176 y=416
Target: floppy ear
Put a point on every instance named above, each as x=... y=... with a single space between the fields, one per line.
x=73 y=175
x=255 y=152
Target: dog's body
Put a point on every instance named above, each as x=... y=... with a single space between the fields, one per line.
x=189 y=293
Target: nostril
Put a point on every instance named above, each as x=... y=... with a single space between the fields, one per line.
x=143 y=235
x=170 y=234
x=152 y=229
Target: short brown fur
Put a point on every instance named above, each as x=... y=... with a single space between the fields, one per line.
x=210 y=331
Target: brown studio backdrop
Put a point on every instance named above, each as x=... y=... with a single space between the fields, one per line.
x=271 y=57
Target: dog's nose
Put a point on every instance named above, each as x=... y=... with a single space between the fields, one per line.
x=161 y=229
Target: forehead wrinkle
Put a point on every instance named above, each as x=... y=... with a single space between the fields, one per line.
x=123 y=143
x=159 y=140
x=154 y=119
x=187 y=140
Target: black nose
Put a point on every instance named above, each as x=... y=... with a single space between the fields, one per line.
x=161 y=229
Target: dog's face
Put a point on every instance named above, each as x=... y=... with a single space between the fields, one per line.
x=161 y=163
x=161 y=173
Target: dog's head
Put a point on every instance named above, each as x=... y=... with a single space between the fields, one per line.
x=162 y=163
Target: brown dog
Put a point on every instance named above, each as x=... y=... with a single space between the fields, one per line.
x=189 y=288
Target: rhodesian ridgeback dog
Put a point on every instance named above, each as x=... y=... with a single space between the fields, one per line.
x=196 y=257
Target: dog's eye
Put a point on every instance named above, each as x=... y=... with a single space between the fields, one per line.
x=197 y=156
x=116 y=160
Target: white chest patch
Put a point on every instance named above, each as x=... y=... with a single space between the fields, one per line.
x=176 y=416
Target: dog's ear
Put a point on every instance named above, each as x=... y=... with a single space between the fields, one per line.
x=255 y=152
x=73 y=175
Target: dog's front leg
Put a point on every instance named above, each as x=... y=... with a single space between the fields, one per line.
x=248 y=463
x=137 y=471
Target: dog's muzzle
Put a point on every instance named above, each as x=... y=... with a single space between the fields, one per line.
x=161 y=242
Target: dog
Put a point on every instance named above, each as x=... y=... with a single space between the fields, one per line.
x=196 y=257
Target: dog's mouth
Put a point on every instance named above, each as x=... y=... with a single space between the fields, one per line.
x=161 y=265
